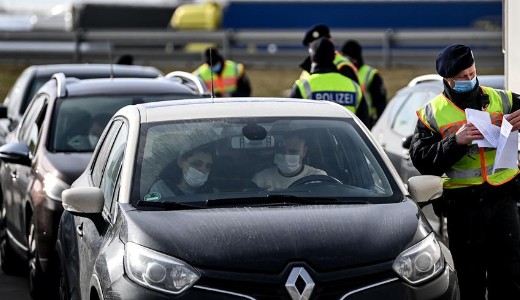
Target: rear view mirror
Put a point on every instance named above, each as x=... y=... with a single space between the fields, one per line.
x=239 y=142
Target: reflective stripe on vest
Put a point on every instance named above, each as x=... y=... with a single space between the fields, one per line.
x=444 y=117
x=226 y=82
x=340 y=61
x=331 y=87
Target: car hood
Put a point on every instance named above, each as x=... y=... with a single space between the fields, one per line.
x=67 y=166
x=267 y=238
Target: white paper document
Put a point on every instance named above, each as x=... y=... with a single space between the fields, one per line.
x=507 y=147
x=501 y=138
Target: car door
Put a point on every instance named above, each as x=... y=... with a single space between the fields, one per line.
x=96 y=232
x=17 y=178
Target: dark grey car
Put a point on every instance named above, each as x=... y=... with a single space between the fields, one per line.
x=46 y=153
x=351 y=232
x=33 y=77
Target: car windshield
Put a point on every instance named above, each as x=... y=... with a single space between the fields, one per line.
x=78 y=122
x=259 y=160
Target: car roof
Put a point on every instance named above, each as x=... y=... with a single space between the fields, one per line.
x=96 y=70
x=126 y=86
x=240 y=107
x=494 y=81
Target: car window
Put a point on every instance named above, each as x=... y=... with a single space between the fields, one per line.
x=100 y=158
x=75 y=118
x=113 y=165
x=406 y=117
x=15 y=97
x=32 y=88
x=31 y=128
x=205 y=160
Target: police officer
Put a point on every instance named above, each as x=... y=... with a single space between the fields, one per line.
x=369 y=78
x=343 y=64
x=326 y=83
x=227 y=77
x=483 y=225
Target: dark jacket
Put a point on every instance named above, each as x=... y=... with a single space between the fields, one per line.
x=433 y=155
x=362 y=110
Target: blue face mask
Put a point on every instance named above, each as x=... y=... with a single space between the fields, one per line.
x=217 y=67
x=463 y=86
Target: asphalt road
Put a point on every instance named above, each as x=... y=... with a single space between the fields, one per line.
x=14 y=287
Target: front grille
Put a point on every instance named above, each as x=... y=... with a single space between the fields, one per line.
x=328 y=285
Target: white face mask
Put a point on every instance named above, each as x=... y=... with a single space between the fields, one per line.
x=287 y=164
x=195 y=178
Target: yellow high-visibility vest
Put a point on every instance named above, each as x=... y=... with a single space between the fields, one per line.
x=365 y=75
x=444 y=117
x=226 y=82
x=331 y=87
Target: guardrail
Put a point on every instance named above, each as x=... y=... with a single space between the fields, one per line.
x=273 y=48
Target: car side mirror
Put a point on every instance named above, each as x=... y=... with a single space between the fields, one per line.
x=407 y=141
x=83 y=200
x=16 y=153
x=424 y=188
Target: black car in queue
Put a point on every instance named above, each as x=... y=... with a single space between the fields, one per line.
x=49 y=149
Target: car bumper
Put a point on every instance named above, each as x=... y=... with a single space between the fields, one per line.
x=444 y=286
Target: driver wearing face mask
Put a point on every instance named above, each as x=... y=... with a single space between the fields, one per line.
x=289 y=165
x=194 y=167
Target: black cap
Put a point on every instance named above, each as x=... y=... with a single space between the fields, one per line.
x=322 y=51
x=316 y=32
x=453 y=59
x=352 y=49
x=212 y=56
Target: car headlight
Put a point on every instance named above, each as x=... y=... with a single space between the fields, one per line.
x=53 y=186
x=158 y=271
x=420 y=262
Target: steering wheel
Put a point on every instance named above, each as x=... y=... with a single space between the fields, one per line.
x=315 y=178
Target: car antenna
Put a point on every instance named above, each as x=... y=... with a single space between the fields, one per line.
x=211 y=71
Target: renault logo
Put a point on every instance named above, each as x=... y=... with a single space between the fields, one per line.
x=299 y=284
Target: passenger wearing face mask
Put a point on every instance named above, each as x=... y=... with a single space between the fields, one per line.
x=88 y=141
x=228 y=77
x=483 y=223
x=194 y=166
x=289 y=165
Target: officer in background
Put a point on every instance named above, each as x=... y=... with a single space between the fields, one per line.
x=370 y=80
x=483 y=224
x=343 y=64
x=227 y=77
x=326 y=82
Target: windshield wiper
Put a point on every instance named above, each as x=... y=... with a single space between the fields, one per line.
x=167 y=205
x=279 y=199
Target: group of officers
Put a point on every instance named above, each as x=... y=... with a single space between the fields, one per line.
x=480 y=204
x=327 y=74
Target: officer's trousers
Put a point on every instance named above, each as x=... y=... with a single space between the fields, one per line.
x=484 y=239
